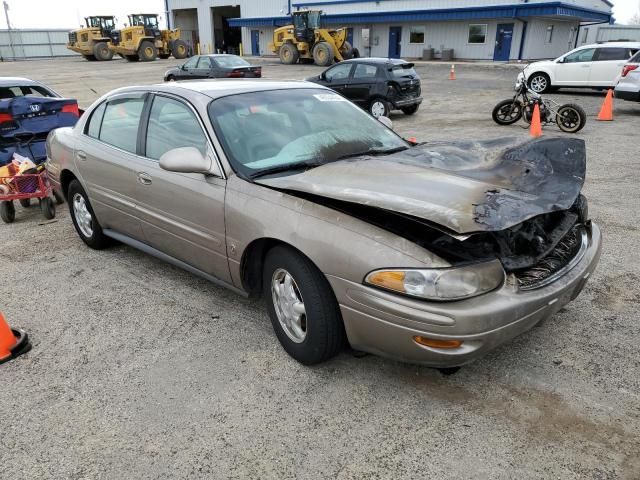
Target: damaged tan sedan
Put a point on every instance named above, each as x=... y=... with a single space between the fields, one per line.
x=433 y=253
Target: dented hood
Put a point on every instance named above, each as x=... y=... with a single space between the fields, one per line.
x=463 y=186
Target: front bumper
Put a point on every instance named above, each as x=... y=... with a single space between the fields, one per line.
x=385 y=324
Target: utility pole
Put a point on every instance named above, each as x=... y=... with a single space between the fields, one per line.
x=6 y=14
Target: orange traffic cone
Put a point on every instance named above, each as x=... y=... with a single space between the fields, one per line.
x=606 y=111
x=13 y=342
x=452 y=73
x=536 y=127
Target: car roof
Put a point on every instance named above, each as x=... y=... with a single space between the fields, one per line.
x=612 y=44
x=13 y=81
x=389 y=61
x=217 y=88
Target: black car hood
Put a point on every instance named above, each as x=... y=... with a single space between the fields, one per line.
x=465 y=187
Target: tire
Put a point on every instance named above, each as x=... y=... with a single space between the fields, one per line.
x=7 y=212
x=147 y=52
x=94 y=237
x=410 y=110
x=171 y=78
x=571 y=118
x=379 y=108
x=59 y=197
x=346 y=51
x=539 y=82
x=323 y=54
x=504 y=114
x=25 y=202
x=289 y=54
x=131 y=58
x=179 y=50
x=48 y=208
x=320 y=335
x=102 y=52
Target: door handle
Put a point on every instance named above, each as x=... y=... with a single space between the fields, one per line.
x=144 y=178
x=80 y=155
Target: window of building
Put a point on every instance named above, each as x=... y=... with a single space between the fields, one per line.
x=478 y=33
x=549 y=35
x=416 y=35
x=172 y=125
x=585 y=34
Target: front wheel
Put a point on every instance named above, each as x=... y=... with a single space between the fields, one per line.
x=179 y=49
x=507 y=112
x=7 y=212
x=289 y=54
x=571 y=118
x=540 y=82
x=323 y=54
x=302 y=307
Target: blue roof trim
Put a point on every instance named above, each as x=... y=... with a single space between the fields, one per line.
x=469 y=13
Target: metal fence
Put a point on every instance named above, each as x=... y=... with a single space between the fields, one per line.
x=26 y=44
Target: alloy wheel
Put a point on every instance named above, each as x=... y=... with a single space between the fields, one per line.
x=82 y=215
x=289 y=305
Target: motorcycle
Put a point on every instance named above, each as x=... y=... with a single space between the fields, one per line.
x=569 y=117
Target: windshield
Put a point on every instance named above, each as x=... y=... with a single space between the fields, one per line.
x=230 y=61
x=143 y=20
x=281 y=129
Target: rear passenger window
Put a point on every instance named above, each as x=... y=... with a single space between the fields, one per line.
x=365 y=71
x=120 y=123
x=172 y=124
x=93 y=126
x=605 y=54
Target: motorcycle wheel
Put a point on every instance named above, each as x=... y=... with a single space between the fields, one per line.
x=571 y=118
x=507 y=112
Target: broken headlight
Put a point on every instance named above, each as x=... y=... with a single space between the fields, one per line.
x=440 y=283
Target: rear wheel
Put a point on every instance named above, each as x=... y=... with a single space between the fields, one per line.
x=7 y=212
x=410 y=110
x=25 y=202
x=289 y=54
x=171 y=78
x=507 y=112
x=302 y=307
x=147 y=51
x=48 y=208
x=84 y=220
x=379 y=108
x=323 y=54
x=102 y=51
x=571 y=118
x=179 y=49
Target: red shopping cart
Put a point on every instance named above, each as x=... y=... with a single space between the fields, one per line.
x=23 y=188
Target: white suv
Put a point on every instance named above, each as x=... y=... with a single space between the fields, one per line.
x=592 y=66
x=628 y=86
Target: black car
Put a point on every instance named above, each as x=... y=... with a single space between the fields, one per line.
x=213 y=66
x=378 y=85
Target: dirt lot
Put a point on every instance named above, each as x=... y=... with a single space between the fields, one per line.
x=140 y=370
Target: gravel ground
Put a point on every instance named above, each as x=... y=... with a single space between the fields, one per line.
x=141 y=370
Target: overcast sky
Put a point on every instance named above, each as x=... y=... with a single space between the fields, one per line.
x=70 y=13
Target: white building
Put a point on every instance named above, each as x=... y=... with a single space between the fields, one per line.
x=499 y=30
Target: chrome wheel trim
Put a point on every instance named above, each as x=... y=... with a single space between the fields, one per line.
x=289 y=305
x=538 y=83
x=83 y=217
x=377 y=108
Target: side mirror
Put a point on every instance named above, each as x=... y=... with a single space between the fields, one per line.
x=386 y=121
x=182 y=67
x=322 y=76
x=560 y=60
x=185 y=160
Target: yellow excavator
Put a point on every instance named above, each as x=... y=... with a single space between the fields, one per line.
x=94 y=41
x=306 y=39
x=143 y=40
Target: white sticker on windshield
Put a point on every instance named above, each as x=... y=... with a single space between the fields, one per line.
x=329 y=97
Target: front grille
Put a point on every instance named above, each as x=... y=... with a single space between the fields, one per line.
x=562 y=257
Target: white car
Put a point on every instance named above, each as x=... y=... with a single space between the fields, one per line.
x=628 y=85
x=590 y=66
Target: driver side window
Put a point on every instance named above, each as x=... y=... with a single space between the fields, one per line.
x=339 y=72
x=191 y=63
x=580 y=56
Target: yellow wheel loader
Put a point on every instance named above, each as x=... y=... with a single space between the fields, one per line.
x=143 y=40
x=305 y=39
x=94 y=41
